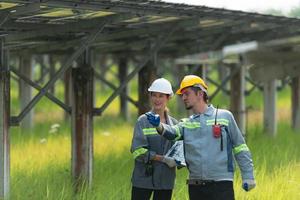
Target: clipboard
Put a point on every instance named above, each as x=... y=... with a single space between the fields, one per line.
x=177 y=152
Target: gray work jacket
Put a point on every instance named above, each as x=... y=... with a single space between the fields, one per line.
x=207 y=157
x=146 y=143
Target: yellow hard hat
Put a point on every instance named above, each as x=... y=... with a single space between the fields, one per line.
x=192 y=80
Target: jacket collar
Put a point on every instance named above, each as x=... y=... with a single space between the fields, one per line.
x=208 y=112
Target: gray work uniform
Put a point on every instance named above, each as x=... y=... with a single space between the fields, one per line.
x=146 y=143
x=207 y=157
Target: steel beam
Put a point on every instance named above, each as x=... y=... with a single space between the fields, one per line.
x=159 y=8
x=248 y=79
x=122 y=73
x=207 y=35
x=154 y=49
x=145 y=76
x=60 y=72
x=25 y=91
x=39 y=88
x=69 y=29
x=271 y=65
x=17 y=11
x=270 y=111
x=112 y=86
x=223 y=87
x=224 y=82
x=237 y=96
x=4 y=123
x=295 y=90
x=51 y=61
x=82 y=126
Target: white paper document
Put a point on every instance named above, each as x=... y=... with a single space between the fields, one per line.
x=177 y=152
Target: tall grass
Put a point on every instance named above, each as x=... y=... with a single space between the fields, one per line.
x=40 y=164
x=41 y=157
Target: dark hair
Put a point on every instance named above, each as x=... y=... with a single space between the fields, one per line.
x=205 y=96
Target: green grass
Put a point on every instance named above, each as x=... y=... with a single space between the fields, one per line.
x=40 y=164
x=41 y=158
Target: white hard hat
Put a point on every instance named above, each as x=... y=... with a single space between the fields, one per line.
x=161 y=85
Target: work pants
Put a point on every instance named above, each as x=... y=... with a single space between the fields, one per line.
x=145 y=194
x=217 y=190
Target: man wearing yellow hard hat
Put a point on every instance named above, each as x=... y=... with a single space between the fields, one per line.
x=212 y=140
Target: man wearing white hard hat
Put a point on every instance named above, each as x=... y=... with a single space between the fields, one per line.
x=153 y=171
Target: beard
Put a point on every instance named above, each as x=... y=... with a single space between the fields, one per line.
x=189 y=107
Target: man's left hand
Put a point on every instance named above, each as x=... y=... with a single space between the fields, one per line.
x=248 y=184
x=154 y=119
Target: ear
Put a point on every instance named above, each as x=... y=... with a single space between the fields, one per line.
x=199 y=93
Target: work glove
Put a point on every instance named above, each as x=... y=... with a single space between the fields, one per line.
x=248 y=184
x=171 y=162
x=153 y=119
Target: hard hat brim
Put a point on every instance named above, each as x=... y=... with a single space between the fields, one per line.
x=179 y=91
x=151 y=90
x=198 y=85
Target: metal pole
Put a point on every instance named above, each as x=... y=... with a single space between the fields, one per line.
x=4 y=123
x=82 y=125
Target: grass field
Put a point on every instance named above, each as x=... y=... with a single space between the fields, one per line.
x=40 y=158
x=40 y=166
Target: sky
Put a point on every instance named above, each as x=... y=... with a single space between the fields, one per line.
x=244 y=5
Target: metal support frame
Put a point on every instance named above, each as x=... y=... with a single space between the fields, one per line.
x=145 y=76
x=156 y=8
x=19 y=10
x=51 y=30
x=295 y=90
x=82 y=123
x=67 y=92
x=4 y=123
x=248 y=79
x=112 y=86
x=219 y=41
x=25 y=91
x=237 y=96
x=192 y=70
x=227 y=92
x=84 y=44
x=43 y=69
x=3 y=18
x=256 y=85
x=270 y=111
x=224 y=82
x=177 y=74
x=154 y=49
x=52 y=62
x=248 y=92
x=122 y=72
x=39 y=88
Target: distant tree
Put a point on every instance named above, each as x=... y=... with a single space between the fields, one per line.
x=295 y=12
x=275 y=12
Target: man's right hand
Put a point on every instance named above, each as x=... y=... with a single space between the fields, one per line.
x=153 y=119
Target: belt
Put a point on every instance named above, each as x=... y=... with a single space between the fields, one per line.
x=199 y=182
